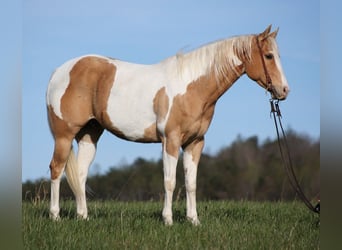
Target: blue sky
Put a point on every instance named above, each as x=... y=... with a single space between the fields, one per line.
x=149 y=31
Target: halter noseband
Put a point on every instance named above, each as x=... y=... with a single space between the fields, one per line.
x=269 y=86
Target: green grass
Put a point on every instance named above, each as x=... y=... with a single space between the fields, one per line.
x=138 y=225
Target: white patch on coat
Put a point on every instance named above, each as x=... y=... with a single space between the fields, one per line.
x=278 y=64
x=59 y=82
x=130 y=103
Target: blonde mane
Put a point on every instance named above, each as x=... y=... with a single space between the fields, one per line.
x=222 y=57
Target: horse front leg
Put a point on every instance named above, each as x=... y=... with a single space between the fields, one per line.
x=192 y=154
x=170 y=158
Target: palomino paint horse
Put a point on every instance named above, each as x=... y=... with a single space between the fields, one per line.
x=171 y=102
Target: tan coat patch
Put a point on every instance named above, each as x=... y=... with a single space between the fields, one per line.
x=151 y=134
x=86 y=97
x=59 y=128
x=161 y=104
x=192 y=112
x=63 y=136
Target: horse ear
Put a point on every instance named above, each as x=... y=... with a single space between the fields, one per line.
x=265 y=34
x=274 y=33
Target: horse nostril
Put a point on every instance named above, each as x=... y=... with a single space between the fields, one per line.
x=286 y=89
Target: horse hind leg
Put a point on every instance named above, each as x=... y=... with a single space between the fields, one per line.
x=64 y=159
x=57 y=166
x=87 y=139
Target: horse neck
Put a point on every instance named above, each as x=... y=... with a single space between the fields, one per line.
x=215 y=85
x=217 y=65
x=209 y=88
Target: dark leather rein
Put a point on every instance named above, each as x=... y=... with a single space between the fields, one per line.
x=284 y=148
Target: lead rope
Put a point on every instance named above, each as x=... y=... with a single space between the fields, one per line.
x=288 y=163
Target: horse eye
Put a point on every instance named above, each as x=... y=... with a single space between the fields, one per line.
x=269 y=56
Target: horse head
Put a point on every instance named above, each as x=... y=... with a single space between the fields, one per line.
x=264 y=66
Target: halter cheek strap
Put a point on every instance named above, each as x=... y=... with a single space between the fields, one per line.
x=268 y=86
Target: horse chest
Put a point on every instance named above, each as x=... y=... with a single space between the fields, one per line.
x=199 y=126
x=190 y=119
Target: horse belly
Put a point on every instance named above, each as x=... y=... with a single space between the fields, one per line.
x=130 y=109
x=132 y=122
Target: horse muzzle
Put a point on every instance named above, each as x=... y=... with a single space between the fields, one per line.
x=279 y=93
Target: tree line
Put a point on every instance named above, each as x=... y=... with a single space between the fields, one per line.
x=247 y=169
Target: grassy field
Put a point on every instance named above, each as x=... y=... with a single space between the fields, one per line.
x=138 y=225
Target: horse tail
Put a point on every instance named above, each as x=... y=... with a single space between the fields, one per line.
x=72 y=174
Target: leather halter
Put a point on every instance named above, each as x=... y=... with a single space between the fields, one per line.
x=269 y=86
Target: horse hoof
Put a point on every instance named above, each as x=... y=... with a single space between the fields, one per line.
x=55 y=217
x=168 y=221
x=82 y=217
x=194 y=221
